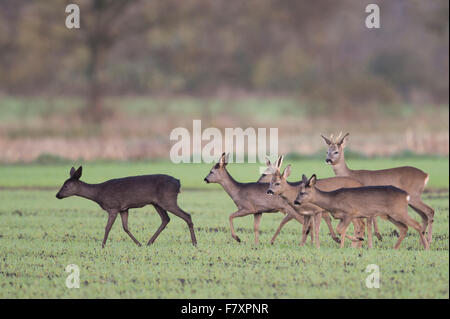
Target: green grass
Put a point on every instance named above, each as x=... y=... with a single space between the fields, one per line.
x=40 y=236
x=20 y=108
x=191 y=175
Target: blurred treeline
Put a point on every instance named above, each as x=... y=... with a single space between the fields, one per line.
x=318 y=50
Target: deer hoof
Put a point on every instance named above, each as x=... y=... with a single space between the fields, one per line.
x=378 y=235
x=336 y=239
x=238 y=239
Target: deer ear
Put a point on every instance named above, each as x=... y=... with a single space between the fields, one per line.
x=221 y=159
x=304 y=179
x=342 y=140
x=72 y=170
x=77 y=173
x=279 y=162
x=224 y=159
x=287 y=171
x=326 y=140
x=312 y=181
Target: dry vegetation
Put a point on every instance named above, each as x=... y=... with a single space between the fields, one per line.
x=139 y=128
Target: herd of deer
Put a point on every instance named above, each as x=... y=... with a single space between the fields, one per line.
x=352 y=196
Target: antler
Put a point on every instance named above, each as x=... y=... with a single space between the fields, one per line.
x=335 y=140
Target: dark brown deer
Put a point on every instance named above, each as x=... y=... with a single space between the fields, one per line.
x=117 y=196
x=280 y=186
x=363 y=202
x=251 y=199
x=410 y=179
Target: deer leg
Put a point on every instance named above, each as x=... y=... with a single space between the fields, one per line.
x=375 y=229
x=176 y=210
x=342 y=228
x=165 y=219
x=361 y=232
x=419 y=204
x=111 y=218
x=409 y=221
x=416 y=206
x=369 y=231
x=239 y=213
x=305 y=229
x=358 y=230
x=403 y=230
x=311 y=229
x=283 y=222
x=327 y=219
x=124 y=217
x=317 y=219
x=257 y=221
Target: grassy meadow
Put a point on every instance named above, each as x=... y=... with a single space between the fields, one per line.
x=40 y=236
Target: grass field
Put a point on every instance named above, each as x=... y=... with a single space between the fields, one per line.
x=40 y=236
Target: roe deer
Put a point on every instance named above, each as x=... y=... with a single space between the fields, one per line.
x=280 y=186
x=250 y=198
x=119 y=195
x=360 y=202
x=410 y=179
x=266 y=177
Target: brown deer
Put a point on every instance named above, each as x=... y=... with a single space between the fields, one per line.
x=117 y=196
x=363 y=202
x=280 y=186
x=266 y=177
x=250 y=198
x=410 y=179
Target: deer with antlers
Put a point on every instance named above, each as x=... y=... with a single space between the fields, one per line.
x=410 y=179
x=252 y=199
x=281 y=187
x=266 y=177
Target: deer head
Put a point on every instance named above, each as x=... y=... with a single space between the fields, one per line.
x=278 y=182
x=71 y=185
x=307 y=190
x=335 y=148
x=218 y=171
x=266 y=177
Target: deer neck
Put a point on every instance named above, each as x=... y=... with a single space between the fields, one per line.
x=89 y=191
x=291 y=192
x=230 y=185
x=341 y=169
x=324 y=200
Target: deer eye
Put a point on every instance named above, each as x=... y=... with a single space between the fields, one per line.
x=336 y=153
x=302 y=193
x=277 y=184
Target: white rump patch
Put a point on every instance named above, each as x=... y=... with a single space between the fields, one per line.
x=426 y=180
x=407 y=198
